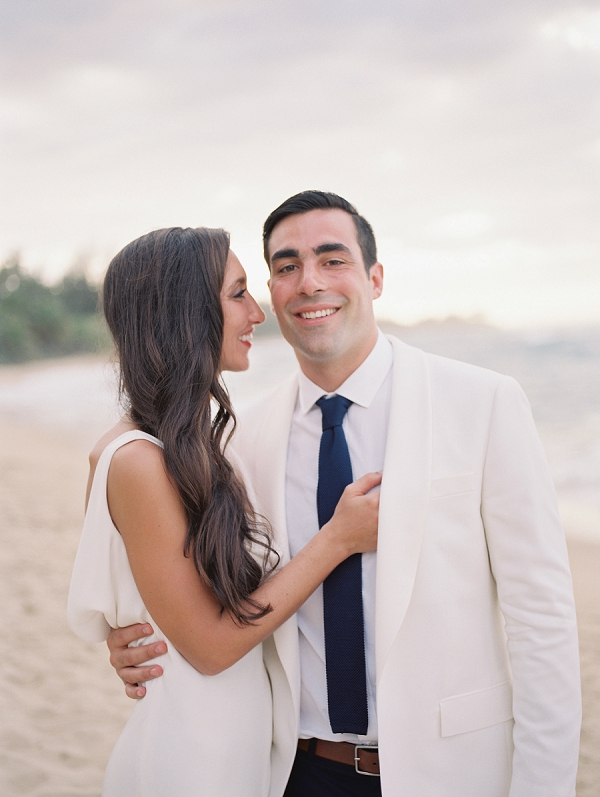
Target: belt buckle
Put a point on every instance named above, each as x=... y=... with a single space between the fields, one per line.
x=369 y=747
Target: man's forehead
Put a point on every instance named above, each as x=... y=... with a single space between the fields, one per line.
x=314 y=229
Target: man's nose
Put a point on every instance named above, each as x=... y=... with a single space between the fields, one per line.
x=311 y=279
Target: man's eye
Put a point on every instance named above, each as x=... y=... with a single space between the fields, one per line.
x=334 y=262
x=288 y=267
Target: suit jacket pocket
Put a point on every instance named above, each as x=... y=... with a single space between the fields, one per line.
x=475 y=710
x=452 y=485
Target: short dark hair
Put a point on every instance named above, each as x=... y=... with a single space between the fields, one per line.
x=306 y=201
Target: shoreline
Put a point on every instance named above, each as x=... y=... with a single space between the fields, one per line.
x=33 y=366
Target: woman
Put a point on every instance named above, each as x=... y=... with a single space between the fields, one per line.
x=170 y=536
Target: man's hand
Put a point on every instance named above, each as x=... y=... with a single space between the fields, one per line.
x=125 y=660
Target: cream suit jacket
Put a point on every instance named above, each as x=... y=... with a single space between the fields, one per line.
x=476 y=644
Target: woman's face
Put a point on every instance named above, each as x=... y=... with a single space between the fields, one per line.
x=240 y=315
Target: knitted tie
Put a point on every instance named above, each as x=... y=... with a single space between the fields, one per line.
x=342 y=589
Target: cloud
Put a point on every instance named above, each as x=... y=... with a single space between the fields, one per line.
x=468 y=224
x=577 y=28
x=447 y=123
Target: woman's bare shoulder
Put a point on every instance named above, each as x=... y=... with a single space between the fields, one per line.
x=136 y=468
x=124 y=425
x=139 y=459
x=141 y=492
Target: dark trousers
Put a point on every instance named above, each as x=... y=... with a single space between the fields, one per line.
x=317 y=777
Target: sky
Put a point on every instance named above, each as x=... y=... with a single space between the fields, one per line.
x=468 y=133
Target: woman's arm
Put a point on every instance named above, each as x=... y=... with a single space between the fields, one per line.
x=147 y=511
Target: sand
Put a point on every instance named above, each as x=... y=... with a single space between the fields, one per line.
x=61 y=706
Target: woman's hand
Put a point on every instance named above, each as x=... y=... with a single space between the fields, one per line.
x=355 y=520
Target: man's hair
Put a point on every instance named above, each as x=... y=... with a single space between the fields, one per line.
x=306 y=201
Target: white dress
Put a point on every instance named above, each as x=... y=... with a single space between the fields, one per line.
x=192 y=735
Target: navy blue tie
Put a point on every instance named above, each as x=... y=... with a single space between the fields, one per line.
x=342 y=589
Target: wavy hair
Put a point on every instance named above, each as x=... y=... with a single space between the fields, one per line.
x=162 y=303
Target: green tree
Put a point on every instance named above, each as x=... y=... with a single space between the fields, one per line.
x=37 y=320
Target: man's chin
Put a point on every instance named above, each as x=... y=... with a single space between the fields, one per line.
x=321 y=350
x=318 y=342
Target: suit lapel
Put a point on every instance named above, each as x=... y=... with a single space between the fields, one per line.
x=404 y=494
x=270 y=460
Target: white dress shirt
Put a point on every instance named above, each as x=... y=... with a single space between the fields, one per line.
x=365 y=426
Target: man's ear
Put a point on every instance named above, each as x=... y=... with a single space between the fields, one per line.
x=376 y=279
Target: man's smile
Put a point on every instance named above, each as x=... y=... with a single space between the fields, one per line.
x=310 y=314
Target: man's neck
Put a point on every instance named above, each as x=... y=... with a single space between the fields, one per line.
x=331 y=374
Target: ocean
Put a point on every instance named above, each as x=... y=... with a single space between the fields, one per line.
x=558 y=369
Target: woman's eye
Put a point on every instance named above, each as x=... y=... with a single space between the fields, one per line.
x=239 y=294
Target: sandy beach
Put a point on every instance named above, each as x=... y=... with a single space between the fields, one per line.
x=61 y=705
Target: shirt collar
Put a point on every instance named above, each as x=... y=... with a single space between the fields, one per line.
x=361 y=386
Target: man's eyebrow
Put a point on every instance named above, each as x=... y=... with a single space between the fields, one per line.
x=324 y=248
x=281 y=254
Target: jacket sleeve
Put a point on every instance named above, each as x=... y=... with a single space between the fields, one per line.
x=529 y=561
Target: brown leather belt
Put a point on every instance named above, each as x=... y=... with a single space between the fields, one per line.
x=364 y=758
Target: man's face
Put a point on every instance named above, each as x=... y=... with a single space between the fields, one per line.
x=320 y=290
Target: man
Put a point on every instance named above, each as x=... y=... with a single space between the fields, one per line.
x=469 y=681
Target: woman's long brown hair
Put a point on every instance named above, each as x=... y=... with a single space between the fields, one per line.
x=162 y=302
